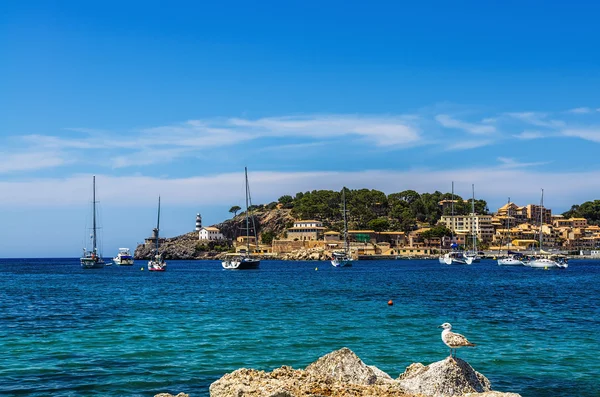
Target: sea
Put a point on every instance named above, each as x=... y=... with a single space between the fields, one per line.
x=124 y=331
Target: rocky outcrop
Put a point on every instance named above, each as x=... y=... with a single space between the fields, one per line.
x=307 y=254
x=342 y=373
x=187 y=246
x=449 y=377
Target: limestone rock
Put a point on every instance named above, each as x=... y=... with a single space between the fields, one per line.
x=450 y=377
x=344 y=366
x=170 y=395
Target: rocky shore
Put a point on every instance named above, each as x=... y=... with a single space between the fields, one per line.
x=343 y=374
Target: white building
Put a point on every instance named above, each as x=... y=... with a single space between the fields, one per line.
x=481 y=225
x=210 y=234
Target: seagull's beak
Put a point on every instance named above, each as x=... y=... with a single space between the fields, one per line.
x=439 y=326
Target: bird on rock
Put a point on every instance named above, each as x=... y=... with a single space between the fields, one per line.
x=452 y=339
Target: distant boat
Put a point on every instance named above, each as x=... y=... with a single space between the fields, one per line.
x=123 y=258
x=91 y=259
x=544 y=260
x=513 y=259
x=244 y=260
x=156 y=262
x=456 y=256
x=474 y=255
x=344 y=258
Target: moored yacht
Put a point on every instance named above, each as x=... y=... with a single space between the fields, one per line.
x=123 y=258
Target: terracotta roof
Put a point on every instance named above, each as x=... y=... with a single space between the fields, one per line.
x=307 y=227
x=211 y=229
x=308 y=221
x=391 y=233
x=331 y=232
x=361 y=231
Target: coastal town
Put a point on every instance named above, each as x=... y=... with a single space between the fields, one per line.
x=511 y=227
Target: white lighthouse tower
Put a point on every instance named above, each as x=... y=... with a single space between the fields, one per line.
x=198 y=222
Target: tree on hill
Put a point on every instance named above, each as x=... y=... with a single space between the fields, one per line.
x=589 y=210
x=234 y=210
x=379 y=224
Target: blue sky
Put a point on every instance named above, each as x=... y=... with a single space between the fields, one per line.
x=176 y=98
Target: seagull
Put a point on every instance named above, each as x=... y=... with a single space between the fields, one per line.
x=452 y=339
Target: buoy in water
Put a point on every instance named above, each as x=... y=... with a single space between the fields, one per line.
x=316 y=268
x=390 y=302
x=141 y=268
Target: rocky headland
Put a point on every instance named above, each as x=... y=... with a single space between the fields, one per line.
x=342 y=373
x=187 y=246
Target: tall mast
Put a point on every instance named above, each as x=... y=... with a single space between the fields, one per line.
x=508 y=226
x=157 y=225
x=345 y=220
x=247 y=219
x=473 y=219
x=452 y=215
x=94 y=214
x=541 y=218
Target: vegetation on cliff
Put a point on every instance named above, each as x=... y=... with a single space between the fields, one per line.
x=589 y=210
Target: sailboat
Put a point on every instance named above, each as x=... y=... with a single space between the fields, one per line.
x=513 y=258
x=473 y=254
x=244 y=260
x=343 y=259
x=156 y=262
x=454 y=257
x=91 y=259
x=545 y=262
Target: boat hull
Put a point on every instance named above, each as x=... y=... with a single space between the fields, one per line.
x=341 y=262
x=241 y=264
x=157 y=266
x=455 y=260
x=92 y=263
x=544 y=263
x=122 y=261
x=510 y=262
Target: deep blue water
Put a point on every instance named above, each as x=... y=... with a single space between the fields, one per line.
x=121 y=331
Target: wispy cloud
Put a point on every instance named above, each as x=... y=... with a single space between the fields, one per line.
x=581 y=110
x=30 y=161
x=589 y=134
x=537 y=118
x=472 y=128
x=507 y=162
x=526 y=135
x=468 y=144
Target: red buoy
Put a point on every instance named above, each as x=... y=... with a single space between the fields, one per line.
x=390 y=302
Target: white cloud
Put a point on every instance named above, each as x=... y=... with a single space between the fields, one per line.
x=30 y=161
x=537 y=118
x=478 y=129
x=529 y=135
x=589 y=134
x=581 y=110
x=468 y=144
x=493 y=184
x=507 y=162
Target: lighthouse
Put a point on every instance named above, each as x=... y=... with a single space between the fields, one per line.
x=198 y=222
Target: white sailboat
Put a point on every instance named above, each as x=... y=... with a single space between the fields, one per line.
x=454 y=257
x=511 y=259
x=244 y=260
x=156 y=262
x=544 y=260
x=91 y=259
x=343 y=259
x=474 y=255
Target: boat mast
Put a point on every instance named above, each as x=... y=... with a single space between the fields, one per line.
x=541 y=219
x=157 y=225
x=247 y=220
x=452 y=216
x=508 y=226
x=94 y=214
x=473 y=220
x=345 y=220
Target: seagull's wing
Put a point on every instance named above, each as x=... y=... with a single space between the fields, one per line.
x=454 y=339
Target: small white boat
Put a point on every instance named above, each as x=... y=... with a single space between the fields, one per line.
x=344 y=258
x=91 y=259
x=157 y=263
x=510 y=261
x=455 y=258
x=123 y=258
x=547 y=263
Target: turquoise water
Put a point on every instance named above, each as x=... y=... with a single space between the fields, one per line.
x=122 y=331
